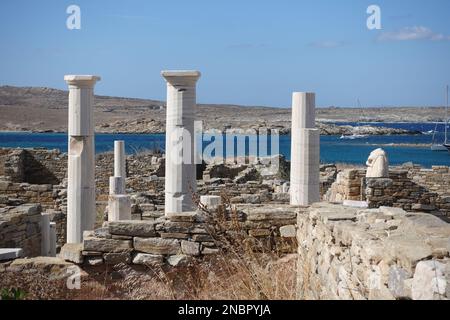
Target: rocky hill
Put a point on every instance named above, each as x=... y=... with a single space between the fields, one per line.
x=45 y=109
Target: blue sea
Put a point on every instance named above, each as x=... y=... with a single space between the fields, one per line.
x=333 y=148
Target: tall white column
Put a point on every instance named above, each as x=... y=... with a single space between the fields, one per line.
x=305 y=151
x=81 y=209
x=181 y=176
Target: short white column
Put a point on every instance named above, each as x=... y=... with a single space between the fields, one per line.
x=120 y=159
x=52 y=249
x=81 y=210
x=45 y=234
x=305 y=151
x=181 y=177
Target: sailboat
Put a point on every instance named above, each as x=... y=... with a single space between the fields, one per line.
x=446 y=145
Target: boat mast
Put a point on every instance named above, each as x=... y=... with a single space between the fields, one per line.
x=446 y=115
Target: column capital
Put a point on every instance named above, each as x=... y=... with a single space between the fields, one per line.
x=181 y=77
x=81 y=81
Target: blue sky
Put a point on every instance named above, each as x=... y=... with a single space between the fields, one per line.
x=249 y=52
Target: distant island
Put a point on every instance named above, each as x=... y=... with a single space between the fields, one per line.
x=38 y=109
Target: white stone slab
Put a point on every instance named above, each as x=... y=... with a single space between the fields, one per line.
x=10 y=254
x=355 y=204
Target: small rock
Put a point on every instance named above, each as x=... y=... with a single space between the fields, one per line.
x=190 y=248
x=179 y=260
x=148 y=259
x=72 y=252
x=288 y=231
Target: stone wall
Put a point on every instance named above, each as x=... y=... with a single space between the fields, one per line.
x=348 y=186
x=20 y=228
x=385 y=253
x=402 y=192
x=403 y=189
x=176 y=240
x=436 y=179
x=34 y=166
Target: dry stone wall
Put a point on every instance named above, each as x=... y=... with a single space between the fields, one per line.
x=20 y=228
x=385 y=253
x=34 y=166
x=414 y=190
x=179 y=238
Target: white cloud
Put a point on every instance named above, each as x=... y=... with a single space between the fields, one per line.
x=412 y=33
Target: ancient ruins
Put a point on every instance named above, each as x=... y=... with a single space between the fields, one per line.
x=375 y=233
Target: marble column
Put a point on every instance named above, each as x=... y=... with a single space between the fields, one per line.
x=120 y=165
x=305 y=151
x=119 y=204
x=180 y=181
x=53 y=239
x=48 y=236
x=81 y=210
x=45 y=234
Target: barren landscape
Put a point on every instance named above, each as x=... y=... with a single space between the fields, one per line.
x=45 y=110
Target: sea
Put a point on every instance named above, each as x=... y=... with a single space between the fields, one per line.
x=333 y=149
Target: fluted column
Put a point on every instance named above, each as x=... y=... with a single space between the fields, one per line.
x=180 y=179
x=81 y=210
x=305 y=151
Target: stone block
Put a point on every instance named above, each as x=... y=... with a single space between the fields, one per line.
x=157 y=245
x=182 y=217
x=190 y=248
x=152 y=260
x=429 y=281
x=72 y=252
x=288 y=231
x=179 y=260
x=132 y=228
x=117 y=258
x=106 y=245
x=10 y=254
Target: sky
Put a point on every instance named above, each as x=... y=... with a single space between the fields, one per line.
x=250 y=52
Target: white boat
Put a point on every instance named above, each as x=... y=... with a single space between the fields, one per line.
x=446 y=145
x=353 y=137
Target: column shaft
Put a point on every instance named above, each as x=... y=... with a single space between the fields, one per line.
x=81 y=210
x=305 y=151
x=180 y=180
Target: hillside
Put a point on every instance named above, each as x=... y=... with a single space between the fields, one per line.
x=45 y=109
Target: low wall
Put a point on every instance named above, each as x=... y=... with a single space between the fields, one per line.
x=385 y=253
x=399 y=190
x=179 y=238
x=34 y=166
x=20 y=228
x=436 y=179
